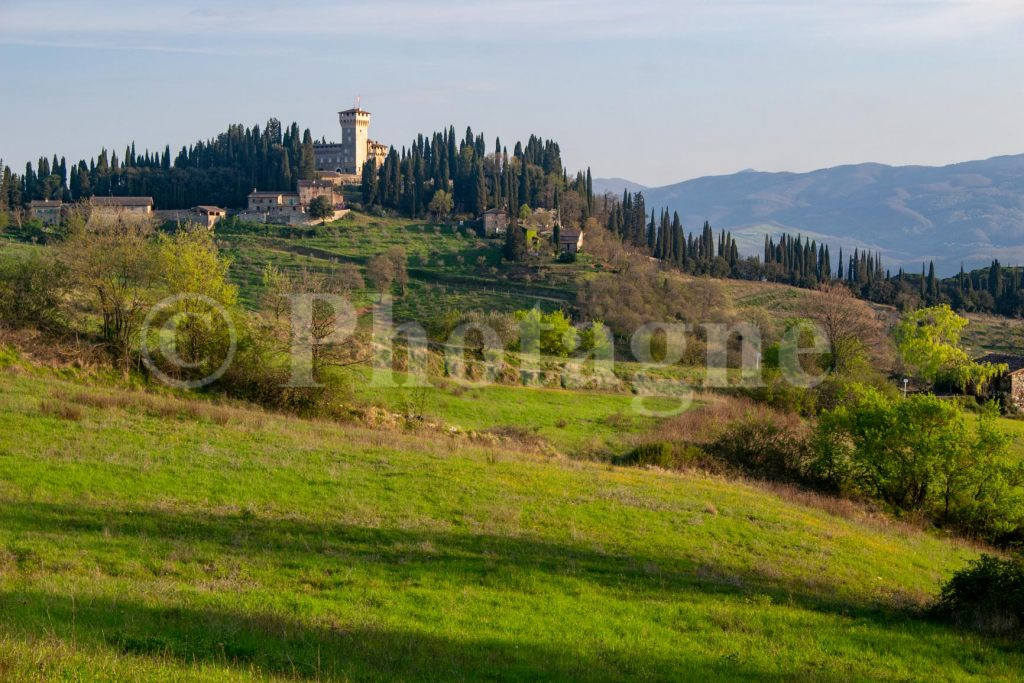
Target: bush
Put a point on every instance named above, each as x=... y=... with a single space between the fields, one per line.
x=765 y=448
x=31 y=292
x=922 y=454
x=987 y=595
x=661 y=454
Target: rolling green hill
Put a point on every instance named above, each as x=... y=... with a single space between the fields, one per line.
x=180 y=539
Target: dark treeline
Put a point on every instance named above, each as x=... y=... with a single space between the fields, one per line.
x=662 y=237
x=220 y=171
x=532 y=175
x=803 y=262
x=225 y=169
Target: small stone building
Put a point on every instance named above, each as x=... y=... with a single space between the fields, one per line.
x=275 y=207
x=570 y=241
x=309 y=189
x=116 y=205
x=1011 y=384
x=208 y=215
x=46 y=210
x=495 y=222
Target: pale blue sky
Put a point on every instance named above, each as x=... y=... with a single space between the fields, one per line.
x=651 y=90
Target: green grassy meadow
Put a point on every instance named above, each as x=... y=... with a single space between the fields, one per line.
x=572 y=422
x=150 y=537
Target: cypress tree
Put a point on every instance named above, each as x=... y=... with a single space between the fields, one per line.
x=653 y=237
x=514 y=248
x=307 y=168
x=678 y=241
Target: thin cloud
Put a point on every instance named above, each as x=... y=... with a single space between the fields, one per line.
x=78 y=45
x=511 y=21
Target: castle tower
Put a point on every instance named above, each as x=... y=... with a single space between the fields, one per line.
x=355 y=128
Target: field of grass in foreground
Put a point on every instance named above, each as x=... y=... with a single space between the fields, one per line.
x=161 y=539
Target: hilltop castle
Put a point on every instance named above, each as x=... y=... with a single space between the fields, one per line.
x=355 y=148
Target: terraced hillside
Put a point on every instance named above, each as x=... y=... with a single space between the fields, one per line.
x=449 y=267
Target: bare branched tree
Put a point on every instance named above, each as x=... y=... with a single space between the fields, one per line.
x=852 y=329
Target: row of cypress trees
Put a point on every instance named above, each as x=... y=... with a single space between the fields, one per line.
x=804 y=262
x=532 y=175
x=220 y=171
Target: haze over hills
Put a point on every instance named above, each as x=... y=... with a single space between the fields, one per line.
x=971 y=211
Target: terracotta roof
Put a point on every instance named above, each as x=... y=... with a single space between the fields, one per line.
x=315 y=183
x=264 y=193
x=495 y=211
x=206 y=208
x=44 y=203
x=122 y=201
x=569 y=236
x=1015 y=363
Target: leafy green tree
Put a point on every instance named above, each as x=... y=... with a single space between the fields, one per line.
x=320 y=208
x=399 y=273
x=113 y=265
x=922 y=454
x=380 y=271
x=596 y=338
x=441 y=205
x=195 y=275
x=31 y=291
x=928 y=342
x=553 y=332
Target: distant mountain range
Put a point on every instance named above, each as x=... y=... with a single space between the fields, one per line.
x=971 y=212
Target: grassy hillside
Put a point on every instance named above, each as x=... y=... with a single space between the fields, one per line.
x=450 y=268
x=983 y=333
x=576 y=422
x=178 y=539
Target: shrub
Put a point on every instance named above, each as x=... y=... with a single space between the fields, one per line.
x=764 y=447
x=61 y=409
x=552 y=332
x=31 y=292
x=662 y=454
x=987 y=595
x=921 y=454
x=778 y=393
x=8 y=356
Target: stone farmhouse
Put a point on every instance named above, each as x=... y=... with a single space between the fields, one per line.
x=101 y=206
x=204 y=215
x=570 y=241
x=208 y=215
x=1011 y=383
x=495 y=222
x=291 y=208
x=309 y=189
x=46 y=210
